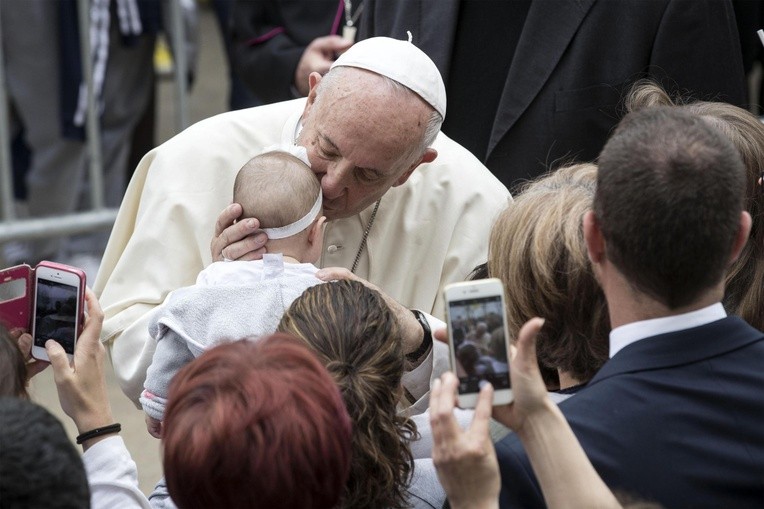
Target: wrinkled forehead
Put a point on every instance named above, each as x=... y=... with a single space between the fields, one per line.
x=388 y=124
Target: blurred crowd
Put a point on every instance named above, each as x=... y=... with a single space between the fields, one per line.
x=272 y=289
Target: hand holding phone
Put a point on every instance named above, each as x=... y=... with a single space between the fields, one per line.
x=58 y=311
x=465 y=458
x=478 y=339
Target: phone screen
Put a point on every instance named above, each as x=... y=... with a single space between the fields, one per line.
x=480 y=350
x=55 y=314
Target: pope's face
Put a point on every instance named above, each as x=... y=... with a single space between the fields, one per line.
x=361 y=137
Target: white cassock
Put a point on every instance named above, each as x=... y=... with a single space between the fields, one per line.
x=428 y=232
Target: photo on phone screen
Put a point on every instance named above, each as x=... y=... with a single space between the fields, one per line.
x=480 y=354
x=55 y=314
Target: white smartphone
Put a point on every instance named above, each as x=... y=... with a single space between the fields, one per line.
x=58 y=307
x=478 y=339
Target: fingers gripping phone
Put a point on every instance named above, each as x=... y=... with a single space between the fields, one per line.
x=58 y=310
x=478 y=339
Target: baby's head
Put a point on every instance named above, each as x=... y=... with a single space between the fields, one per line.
x=282 y=192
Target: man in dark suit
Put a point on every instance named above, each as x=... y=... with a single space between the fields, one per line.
x=676 y=414
x=534 y=83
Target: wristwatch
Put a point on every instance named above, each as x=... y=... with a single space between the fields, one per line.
x=426 y=339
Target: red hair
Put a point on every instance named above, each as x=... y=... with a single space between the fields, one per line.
x=256 y=424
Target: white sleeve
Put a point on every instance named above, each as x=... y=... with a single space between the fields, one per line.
x=417 y=381
x=112 y=476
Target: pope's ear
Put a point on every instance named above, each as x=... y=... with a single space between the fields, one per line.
x=429 y=156
x=313 y=80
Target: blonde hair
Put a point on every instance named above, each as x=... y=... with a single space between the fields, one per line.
x=277 y=188
x=537 y=249
x=744 y=294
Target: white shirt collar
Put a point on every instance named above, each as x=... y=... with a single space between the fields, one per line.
x=292 y=128
x=623 y=336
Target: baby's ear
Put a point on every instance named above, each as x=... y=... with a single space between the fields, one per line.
x=317 y=230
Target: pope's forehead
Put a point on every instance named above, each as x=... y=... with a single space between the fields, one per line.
x=367 y=90
x=400 y=114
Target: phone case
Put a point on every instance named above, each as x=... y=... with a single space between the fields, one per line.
x=16 y=297
x=16 y=306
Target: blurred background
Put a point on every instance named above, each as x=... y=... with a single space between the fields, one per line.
x=207 y=96
x=153 y=75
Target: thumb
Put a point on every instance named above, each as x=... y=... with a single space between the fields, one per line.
x=526 y=342
x=25 y=344
x=338 y=43
x=57 y=356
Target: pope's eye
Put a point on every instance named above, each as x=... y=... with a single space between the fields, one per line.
x=366 y=175
x=322 y=152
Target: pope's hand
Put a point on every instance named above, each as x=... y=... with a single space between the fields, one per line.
x=411 y=331
x=237 y=240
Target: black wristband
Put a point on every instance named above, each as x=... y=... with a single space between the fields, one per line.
x=106 y=430
x=426 y=339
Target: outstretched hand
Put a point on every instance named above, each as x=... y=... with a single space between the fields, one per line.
x=318 y=56
x=237 y=240
x=81 y=385
x=465 y=459
x=566 y=476
x=530 y=394
x=411 y=331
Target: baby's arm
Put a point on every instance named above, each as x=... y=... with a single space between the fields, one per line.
x=172 y=353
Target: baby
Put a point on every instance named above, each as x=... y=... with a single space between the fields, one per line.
x=237 y=299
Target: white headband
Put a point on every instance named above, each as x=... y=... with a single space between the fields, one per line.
x=294 y=228
x=298 y=151
x=301 y=224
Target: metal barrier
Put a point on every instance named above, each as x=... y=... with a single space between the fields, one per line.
x=99 y=217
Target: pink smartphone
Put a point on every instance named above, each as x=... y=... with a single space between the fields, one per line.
x=59 y=307
x=16 y=294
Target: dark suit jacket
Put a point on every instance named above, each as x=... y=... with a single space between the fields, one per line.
x=267 y=64
x=677 y=418
x=574 y=60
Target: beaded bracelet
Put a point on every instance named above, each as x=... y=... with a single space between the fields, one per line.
x=106 y=430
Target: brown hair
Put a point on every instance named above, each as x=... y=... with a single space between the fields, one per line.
x=13 y=369
x=669 y=187
x=745 y=278
x=537 y=249
x=256 y=424
x=275 y=187
x=355 y=335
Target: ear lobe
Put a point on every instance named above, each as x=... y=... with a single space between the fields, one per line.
x=429 y=156
x=595 y=242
